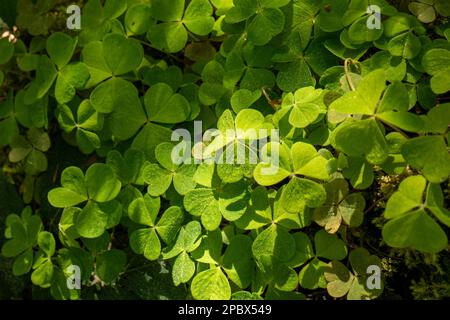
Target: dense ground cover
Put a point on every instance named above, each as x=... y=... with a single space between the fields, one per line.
x=332 y=123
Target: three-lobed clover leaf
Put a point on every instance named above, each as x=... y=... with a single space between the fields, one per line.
x=187 y=241
x=99 y=187
x=429 y=153
x=327 y=246
x=85 y=120
x=69 y=76
x=303 y=107
x=340 y=206
x=31 y=150
x=22 y=233
x=354 y=284
x=128 y=167
x=144 y=211
x=410 y=225
x=213 y=199
x=264 y=18
x=171 y=34
x=115 y=56
x=436 y=62
x=301 y=159
x=358 y=138
x=14 y=111
x=162 y=106
x=160 y=176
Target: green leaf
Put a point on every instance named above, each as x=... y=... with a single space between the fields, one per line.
x=303 y=249
x=146 y=241
x=165 y=11
x=183 y=269
x=92 y=221
x=73 y=190
x=211 y=284
x=365 y=99
x=6 y=50
x=169 y=224
x=144 y=210
x=43 y=275
x=60 y=48
x=101 y=183
x=339 y=279
x=415 y=230
x=165 y=106
x=168 y=36
x=110 y=264
x=197 y=17
x=405 y=45
x=276 y=242
x=138 y=19
x=237 y=261
x=308 y=162
x=312 y=275
x=243 y=99
x=202 y=202
x=362 y=138
x=157 y=178
x=265 y=25
x=122 y=55
x=329 y=246
x=46 y=243
x=428 y=154
x=406 y=208
x=23 y=263
x=409 y=196
x=71 y=77
x=300 y=192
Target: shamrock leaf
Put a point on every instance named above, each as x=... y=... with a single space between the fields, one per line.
x=219 y=199
x=85 y=121
x=342 y=282
x=237 y=261
x=184 y=267
x=265 y=18
x=340 y=206
x=429 y=153
x=129 y=167
x=69 y=77
x=160 y=176
x=31 y=150
x=304 y=107
x=327 y=246
x=22 y=233
x=297 y=64
x=156 y=100
x=407 y=211
x=302 y=159
x=99 y=187
x=14 y=111
x=146 y=241
x=115 y=55
x=234 y=146
x=172 y=33
x=211 y=284
x=109 y=264
x=435 y=62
